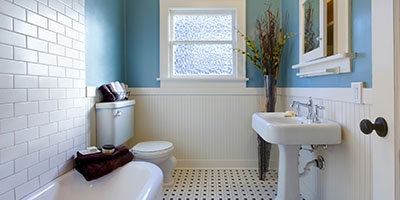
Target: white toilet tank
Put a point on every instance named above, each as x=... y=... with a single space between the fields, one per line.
x=114 y=122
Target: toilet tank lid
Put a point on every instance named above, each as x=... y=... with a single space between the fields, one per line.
x=152 y=146
x=117 y=104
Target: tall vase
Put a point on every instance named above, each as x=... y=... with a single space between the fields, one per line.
x=264 y=147
x=270 y=93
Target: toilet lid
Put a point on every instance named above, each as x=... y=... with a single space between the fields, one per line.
x=152 y=146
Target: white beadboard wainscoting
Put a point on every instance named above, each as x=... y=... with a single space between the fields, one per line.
x=212 y=128
x=347 y=175
x=206 y=130
x=209 y=128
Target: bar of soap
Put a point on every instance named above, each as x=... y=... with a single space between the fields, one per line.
x=289 y=114
x=91 y=149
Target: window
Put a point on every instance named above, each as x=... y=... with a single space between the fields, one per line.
x=202 y=43
x=198 y=38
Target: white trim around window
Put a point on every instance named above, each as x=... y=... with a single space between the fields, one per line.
x=167 y=9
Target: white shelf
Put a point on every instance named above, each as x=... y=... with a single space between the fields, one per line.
x=335 y=64
x=319 y=72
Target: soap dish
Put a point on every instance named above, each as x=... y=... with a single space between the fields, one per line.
x=86 y=152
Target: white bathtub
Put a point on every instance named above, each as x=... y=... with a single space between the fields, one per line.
x=134 y=181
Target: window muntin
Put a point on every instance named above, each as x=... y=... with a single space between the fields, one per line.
x=202 y=43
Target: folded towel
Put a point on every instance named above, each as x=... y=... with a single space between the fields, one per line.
x=114 y=91
x=98 y=157
x=117 y=85
x=125 y=88
x=107 y=94
x=101 y=168
x=120 y=91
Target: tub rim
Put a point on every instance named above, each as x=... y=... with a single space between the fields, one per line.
x=154 y=182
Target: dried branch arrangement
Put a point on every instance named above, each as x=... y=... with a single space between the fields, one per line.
x=266 y=55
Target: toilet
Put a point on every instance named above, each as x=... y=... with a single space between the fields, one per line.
x=114 y=123
x=158 y=153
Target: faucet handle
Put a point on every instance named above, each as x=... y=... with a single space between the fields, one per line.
x=293 y=104
x=296 y=105
x=310 y=101
x=319 y=107
x=316 y=114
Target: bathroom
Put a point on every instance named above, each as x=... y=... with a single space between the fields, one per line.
x=55 y=54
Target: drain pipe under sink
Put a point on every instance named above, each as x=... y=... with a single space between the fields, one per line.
x=319 y=163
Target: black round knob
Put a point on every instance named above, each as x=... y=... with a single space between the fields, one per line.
x=366 y=126
x=380 y=126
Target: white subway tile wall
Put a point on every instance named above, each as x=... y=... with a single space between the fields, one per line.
x=42 y=92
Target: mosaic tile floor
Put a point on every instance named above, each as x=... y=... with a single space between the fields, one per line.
x=221 y=184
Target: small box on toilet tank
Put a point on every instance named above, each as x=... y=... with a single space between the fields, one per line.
x=114 y=122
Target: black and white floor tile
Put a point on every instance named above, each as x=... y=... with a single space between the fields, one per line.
x=221 y=184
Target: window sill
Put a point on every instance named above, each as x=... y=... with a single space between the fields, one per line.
x=203 y=79
x=189 y=82
x=196 y=91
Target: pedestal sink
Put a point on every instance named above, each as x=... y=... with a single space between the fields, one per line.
x=289 y=133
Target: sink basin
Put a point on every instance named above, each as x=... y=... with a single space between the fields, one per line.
x=290 y=133
x=278 y=129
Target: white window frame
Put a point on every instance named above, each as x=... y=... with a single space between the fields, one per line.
x=167 y=10
x=172 y=42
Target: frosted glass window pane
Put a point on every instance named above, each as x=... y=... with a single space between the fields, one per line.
x=203 y=59
x=202 y=27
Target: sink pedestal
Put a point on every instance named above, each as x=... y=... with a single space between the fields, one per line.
x=288 y=180
x=289 y=133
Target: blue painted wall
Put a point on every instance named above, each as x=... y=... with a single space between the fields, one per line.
x=142 y=41
x=134 y=57
x=104 y=41
x=361 y=44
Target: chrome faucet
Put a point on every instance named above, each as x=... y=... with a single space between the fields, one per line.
x=313 y=110
x=307 y=105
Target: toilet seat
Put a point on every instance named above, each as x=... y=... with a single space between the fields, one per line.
x=152 y=149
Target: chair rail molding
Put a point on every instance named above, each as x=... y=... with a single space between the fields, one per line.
x=338 y=94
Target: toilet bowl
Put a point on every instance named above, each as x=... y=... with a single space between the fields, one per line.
x=158 y=153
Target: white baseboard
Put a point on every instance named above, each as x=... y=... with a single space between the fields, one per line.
x=248 y=164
